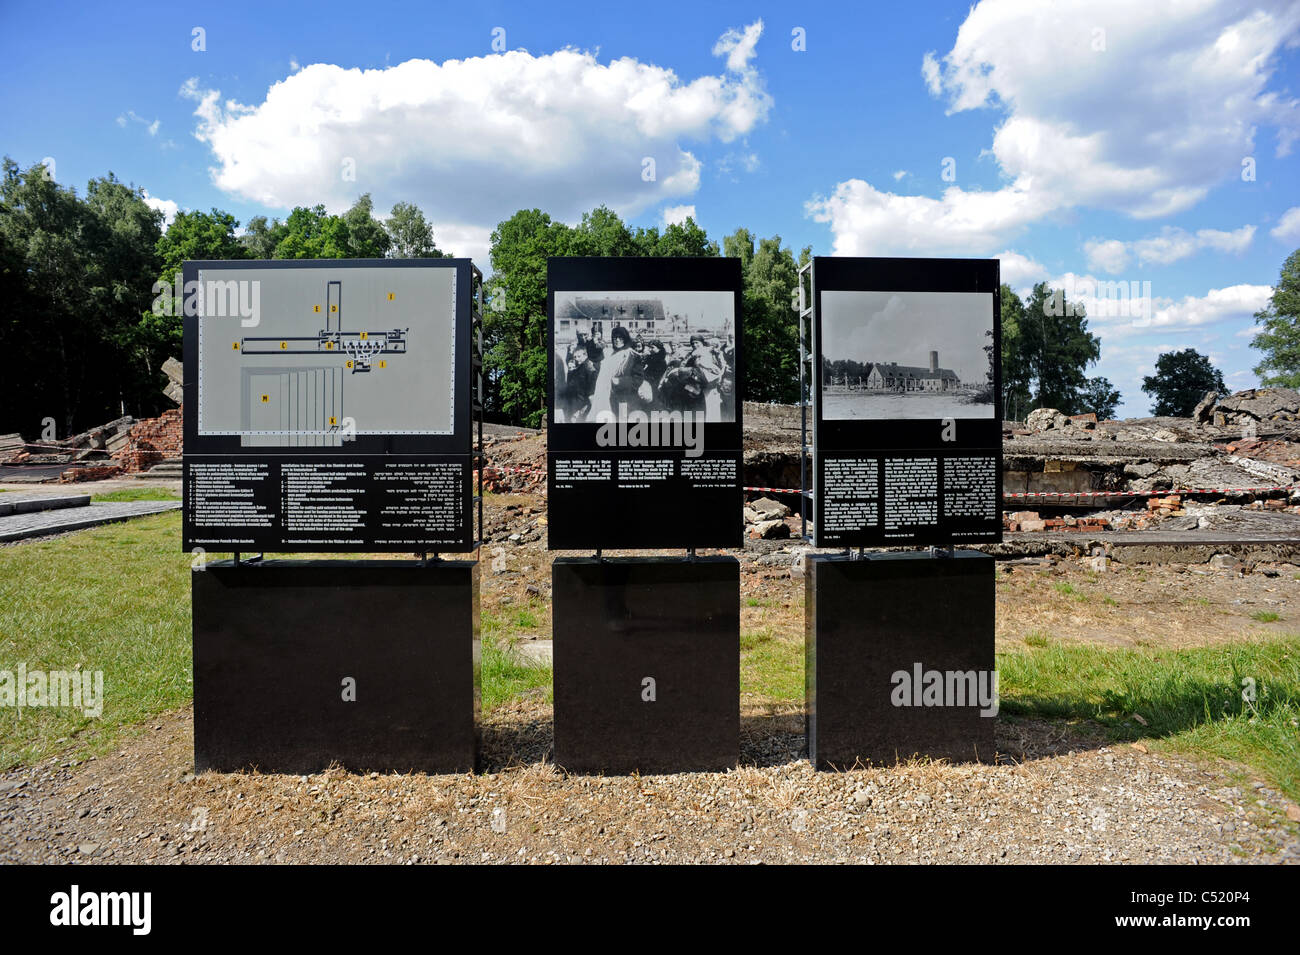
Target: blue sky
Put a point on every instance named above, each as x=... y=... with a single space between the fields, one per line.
x=1081 y=143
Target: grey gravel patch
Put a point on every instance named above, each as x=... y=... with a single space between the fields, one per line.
x=1093 y=805
x=17 y=527
x=533 y=652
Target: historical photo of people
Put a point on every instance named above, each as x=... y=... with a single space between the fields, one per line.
x=644 y=353
x=906 y=355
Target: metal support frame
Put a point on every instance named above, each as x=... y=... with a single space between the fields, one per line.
x=478 y=457
x=807 y=384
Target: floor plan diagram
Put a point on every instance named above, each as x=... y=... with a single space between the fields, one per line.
x=327 y=354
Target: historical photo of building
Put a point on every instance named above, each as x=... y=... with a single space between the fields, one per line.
x=906 y=355
x=620 y=353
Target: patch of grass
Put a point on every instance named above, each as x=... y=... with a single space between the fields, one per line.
x=135 y=494
x=114 y=598
x=771 y=666
x=1192 y=699
x=759 y=602
x=1265 y=616
x=1110 y=601
x=525 y=618
x=1067 y=589
x=1036 y=638
x=503 y=677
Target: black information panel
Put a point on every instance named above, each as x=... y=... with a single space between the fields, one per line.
x=327 y=405
x=644 y=423
x=907 y=424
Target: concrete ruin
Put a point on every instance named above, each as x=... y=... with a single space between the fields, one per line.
x=123 y=445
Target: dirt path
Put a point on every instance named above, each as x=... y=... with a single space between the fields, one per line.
x=1054 y=799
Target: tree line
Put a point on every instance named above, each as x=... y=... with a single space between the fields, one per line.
x=83 y=344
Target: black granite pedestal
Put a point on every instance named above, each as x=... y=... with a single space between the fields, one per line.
x=899 y=652
x=369 y=664
x=647 y=664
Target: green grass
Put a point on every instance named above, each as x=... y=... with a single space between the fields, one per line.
x=136 y=494
x=1036 y=638
x=112 y=598
x=771 y=666
x=501 y=675
x=1265 y=616
x=1191 y=699
x=525 y=618
x=116 y=599
x=1067 y=589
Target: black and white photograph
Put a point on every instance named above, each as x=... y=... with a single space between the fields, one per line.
x=907 y=355
x=627 y=352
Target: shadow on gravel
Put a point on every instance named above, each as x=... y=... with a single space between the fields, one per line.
x=520 y=733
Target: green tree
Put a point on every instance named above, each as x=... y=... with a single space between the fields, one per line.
x=678 y=239
x=261 y=237
x=602 y=232
x=84 y=271
x=313 y=234
x=1054 y=343
x=1100 y=397
x=1279 y=338
x=367 y=237
x=1017 y=375
x=192 y=236
x=409 y=234
x=198 y=235
x=1181 y=380
x=125 y=262
x=770 y=324
x=515 y=358
x=514 y=327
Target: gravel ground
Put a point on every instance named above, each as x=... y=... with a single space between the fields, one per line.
x=1052 y=799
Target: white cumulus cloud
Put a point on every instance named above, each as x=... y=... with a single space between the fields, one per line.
x=1288 y=227
x=471 y=141
x=1140 y=108
x=1106 y=255
x=1168 y=246
x=167 y=207
x=677 y=215
x=1020 y=271
x=868 y=221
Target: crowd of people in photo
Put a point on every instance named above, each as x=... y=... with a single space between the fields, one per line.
x=695 y=374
